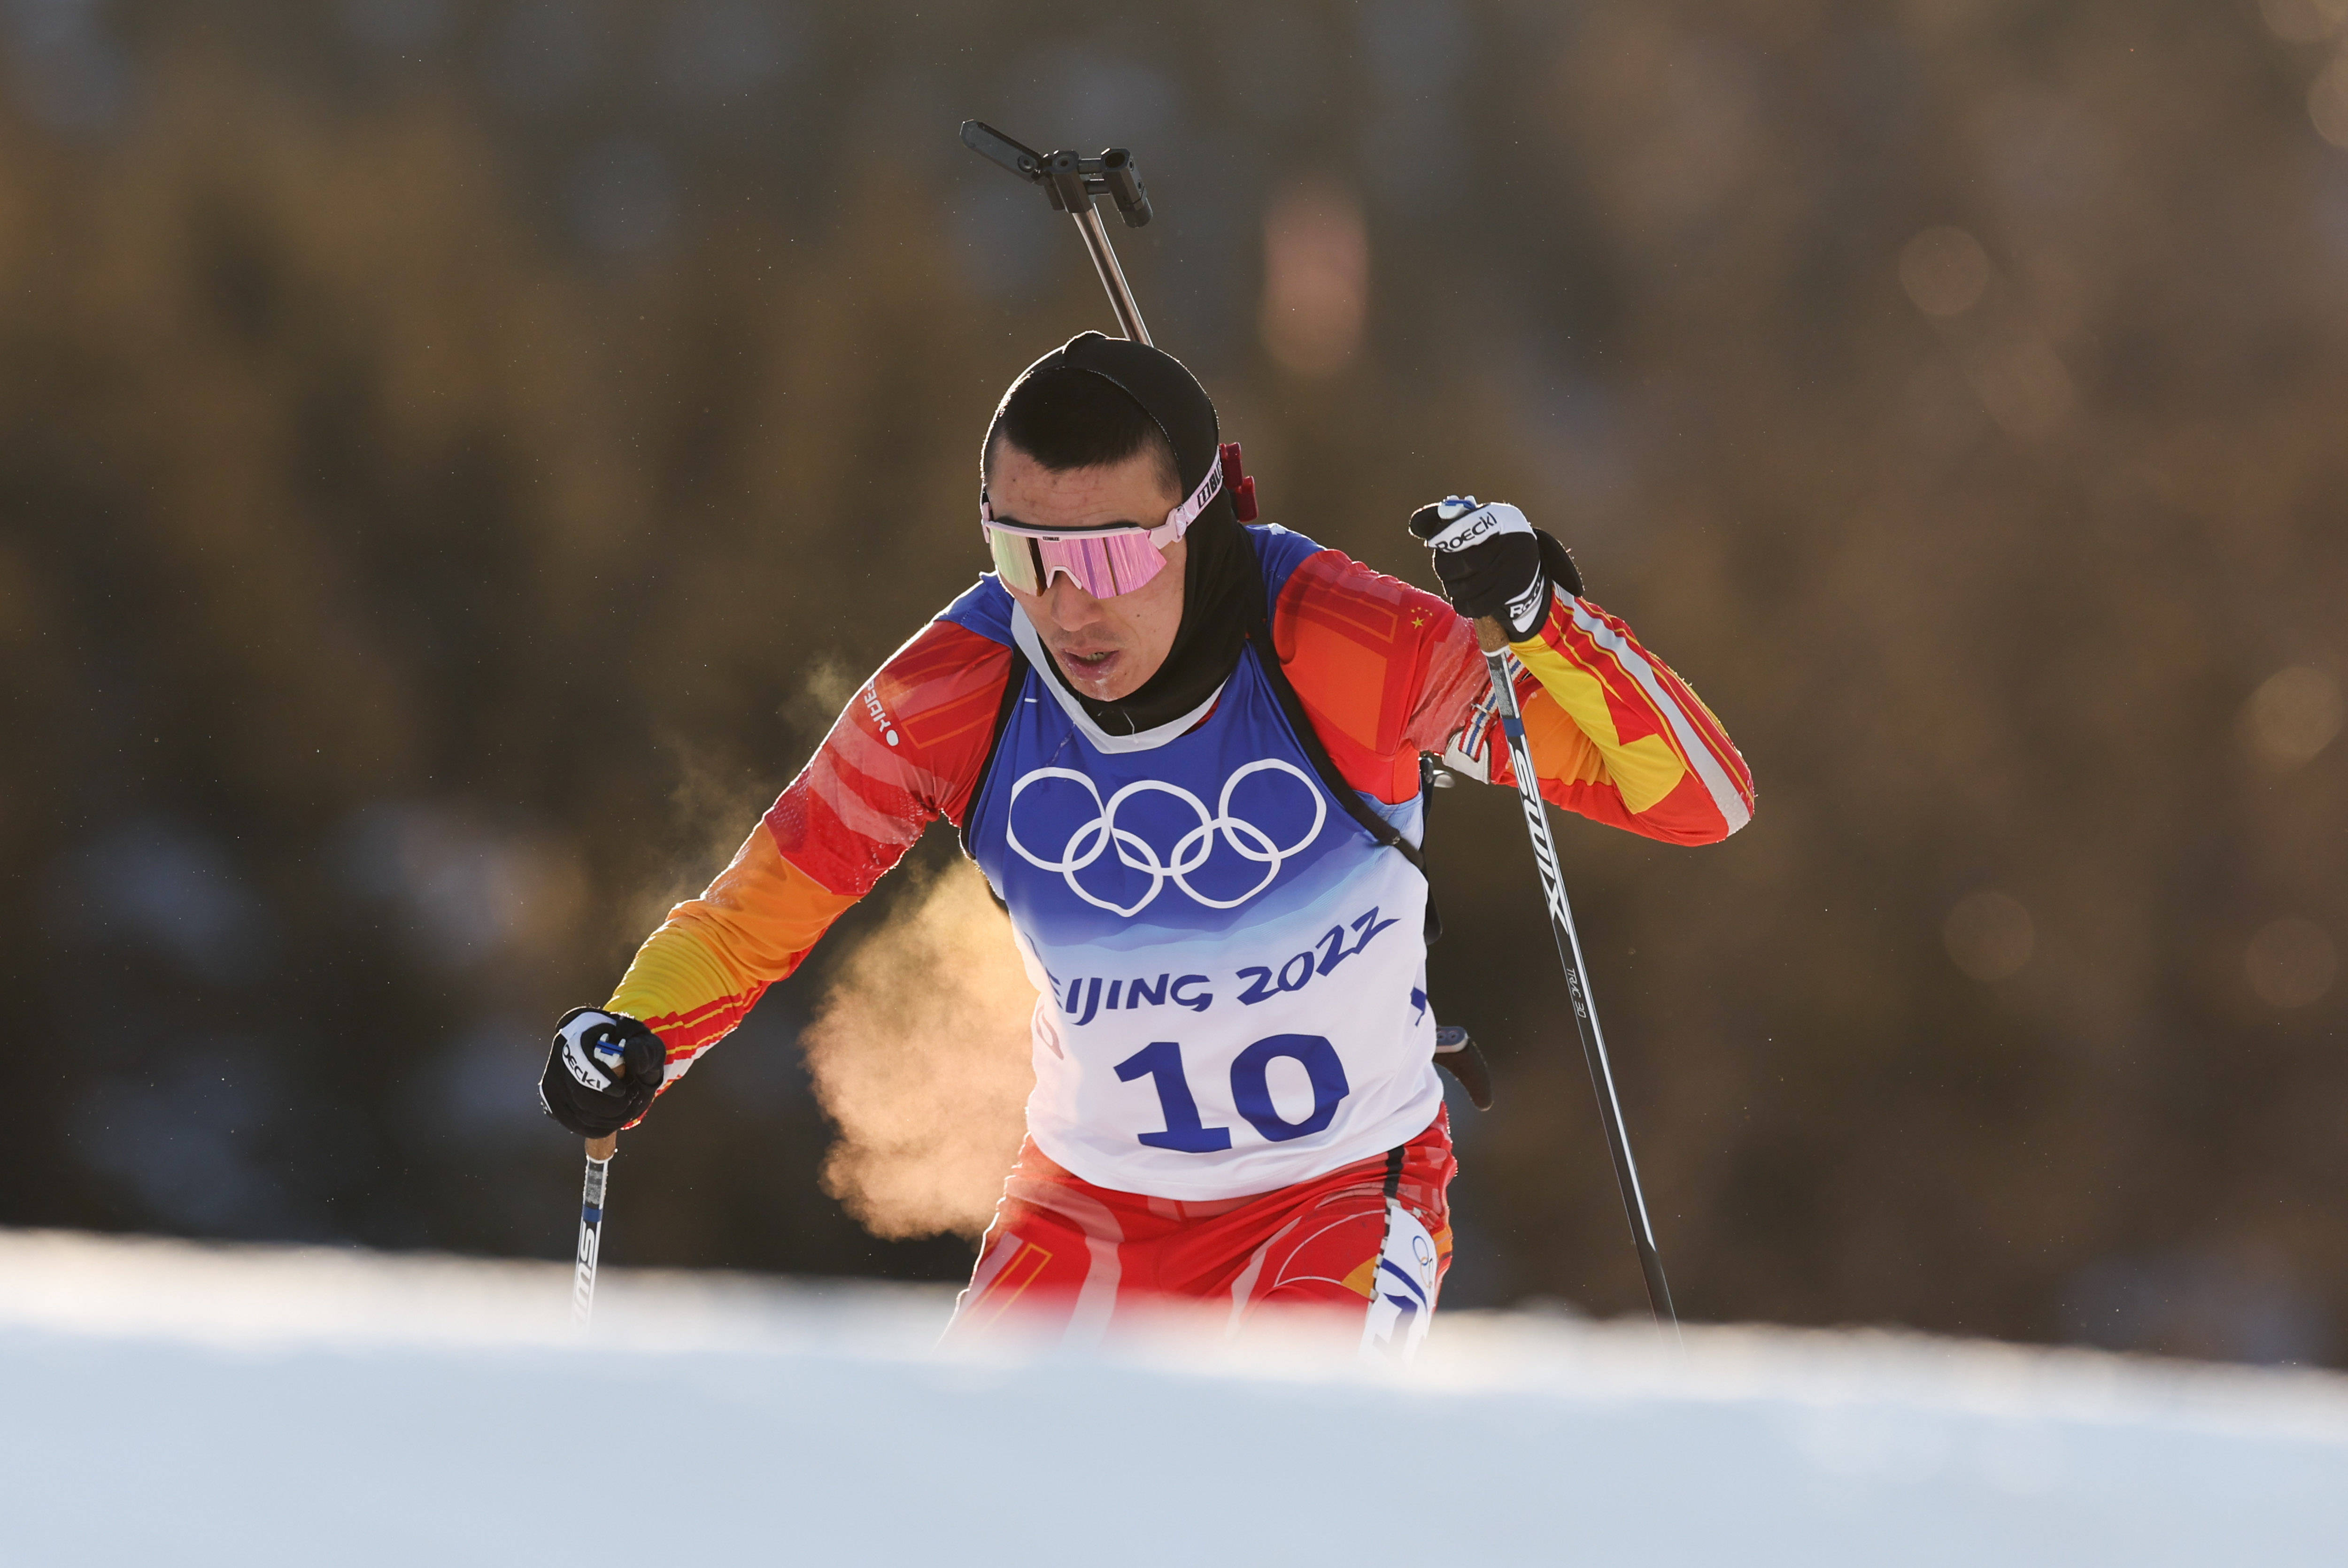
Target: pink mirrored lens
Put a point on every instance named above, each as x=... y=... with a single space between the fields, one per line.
x=1104 y=565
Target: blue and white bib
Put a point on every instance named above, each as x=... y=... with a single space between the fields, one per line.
x=1232 y=973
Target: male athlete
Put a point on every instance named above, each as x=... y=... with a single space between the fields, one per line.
x=1185 y=754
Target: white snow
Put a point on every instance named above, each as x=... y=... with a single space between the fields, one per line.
x=163 y=1402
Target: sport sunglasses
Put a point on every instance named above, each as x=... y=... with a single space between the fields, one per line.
x=1105 y=561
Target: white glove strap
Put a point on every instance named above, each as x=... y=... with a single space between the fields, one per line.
x=1528 y=610
x=1466 y=523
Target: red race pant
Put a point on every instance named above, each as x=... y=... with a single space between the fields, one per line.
x=1373 y=1239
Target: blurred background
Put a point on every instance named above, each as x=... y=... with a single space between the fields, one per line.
x=457 y=454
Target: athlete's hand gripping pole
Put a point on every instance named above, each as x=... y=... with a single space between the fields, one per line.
x=1072 y=180
x=601 y=1073
x=1498 y=571
x=590 y=1227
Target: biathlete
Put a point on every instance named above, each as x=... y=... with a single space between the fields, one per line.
x=1186 y=753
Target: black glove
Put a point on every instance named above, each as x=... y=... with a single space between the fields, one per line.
x=603 y=1073
x=1493 y=562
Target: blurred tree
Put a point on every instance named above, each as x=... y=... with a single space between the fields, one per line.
x=451 y=458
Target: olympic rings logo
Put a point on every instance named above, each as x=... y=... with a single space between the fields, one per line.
x=1089 y=842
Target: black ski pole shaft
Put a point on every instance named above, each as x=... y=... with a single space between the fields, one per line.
x=1494 y=644
x=591 y=1228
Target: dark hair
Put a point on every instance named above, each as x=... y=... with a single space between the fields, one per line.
x=1068 y=418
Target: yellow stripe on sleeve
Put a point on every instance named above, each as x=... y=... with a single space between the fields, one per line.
x=753 y=926
x=1643 y=771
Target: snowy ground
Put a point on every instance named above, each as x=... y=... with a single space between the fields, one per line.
x=165 y=1403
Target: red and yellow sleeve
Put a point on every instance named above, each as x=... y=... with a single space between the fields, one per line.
x=1616 y=735
x=1386 y=671
x=905 y=750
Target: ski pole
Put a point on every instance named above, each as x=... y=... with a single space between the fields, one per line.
x=1494 y=642
x=591 y=1228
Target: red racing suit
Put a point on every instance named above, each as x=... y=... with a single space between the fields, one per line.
x=1384 y=671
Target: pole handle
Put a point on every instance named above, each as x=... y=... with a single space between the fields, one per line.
x=1490 y=635
x=603 y=1148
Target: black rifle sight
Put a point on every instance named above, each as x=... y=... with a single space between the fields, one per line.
x=1070 y=178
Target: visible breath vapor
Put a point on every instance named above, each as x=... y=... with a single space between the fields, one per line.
x=715 y=803
x=716 y=800
x=920 y=1055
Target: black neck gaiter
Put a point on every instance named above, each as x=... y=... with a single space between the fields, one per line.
x=1217 y=605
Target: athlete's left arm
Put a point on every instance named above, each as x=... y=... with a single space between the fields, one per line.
x=906 y=748
x=1616 y=735
x=1386 y=671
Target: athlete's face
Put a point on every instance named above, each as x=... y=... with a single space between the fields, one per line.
x=1106 y=647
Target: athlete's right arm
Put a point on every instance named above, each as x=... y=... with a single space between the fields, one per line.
x=906 y=750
